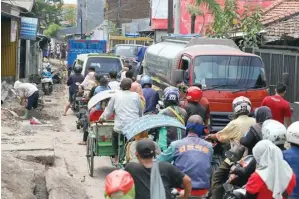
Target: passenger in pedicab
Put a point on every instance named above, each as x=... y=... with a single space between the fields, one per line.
x=131 y=147
x=182 y=153
x=135 y=88
x=126 y=106
x=167 y=135
x=151 y=96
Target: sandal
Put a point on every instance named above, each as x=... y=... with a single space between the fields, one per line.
x=82 y=143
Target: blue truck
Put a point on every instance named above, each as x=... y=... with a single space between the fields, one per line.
x=77 y=47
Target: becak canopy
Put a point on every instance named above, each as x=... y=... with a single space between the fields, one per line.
x=119 y=184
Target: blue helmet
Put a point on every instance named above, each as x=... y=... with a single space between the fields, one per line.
x=171 y=94
x=146 y=80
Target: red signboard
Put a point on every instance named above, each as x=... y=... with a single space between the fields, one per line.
x=159 y=14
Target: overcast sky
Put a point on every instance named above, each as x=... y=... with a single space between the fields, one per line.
x=70 y=1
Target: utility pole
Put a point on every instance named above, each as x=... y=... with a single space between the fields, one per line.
x=118 y=14
x=86 y=17
x=81 y=21
x=170 y=16
x=177 y=18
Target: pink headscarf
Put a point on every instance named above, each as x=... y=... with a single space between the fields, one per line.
x=136 y=87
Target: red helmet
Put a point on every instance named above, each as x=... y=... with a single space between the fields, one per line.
x=194 y=94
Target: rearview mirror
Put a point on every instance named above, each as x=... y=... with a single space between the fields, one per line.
x=285 y=78
x=177 y=77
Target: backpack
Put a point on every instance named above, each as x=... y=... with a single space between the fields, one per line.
x=257 y=131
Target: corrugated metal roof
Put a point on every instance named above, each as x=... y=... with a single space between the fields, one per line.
x=25 y=4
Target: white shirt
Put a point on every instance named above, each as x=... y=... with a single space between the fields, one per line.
x=126 y=105
x=114 y=85
x=26 y=89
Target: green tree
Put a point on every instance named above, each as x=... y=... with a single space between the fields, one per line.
x=211 y=5
x=52 y=30
x=70 y=15
x=251 y=25
x=48 y=12
x=228 y=22
x=112 y=29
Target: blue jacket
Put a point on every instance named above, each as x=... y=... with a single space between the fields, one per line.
x=191 y=155
x=292 y=157
x=151 y=99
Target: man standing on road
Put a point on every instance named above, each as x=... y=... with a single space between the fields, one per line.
x=171 y=176
x=126 y=106
x=280 y=108
x=113 y=84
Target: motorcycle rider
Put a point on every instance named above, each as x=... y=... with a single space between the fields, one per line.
x=151 y=96
x=292 y=155
x=273 y=177
x=27 y=91
x=92 y=91
x=170 y=134
x=103 y=86
x=72 y=81
x=236 y=129
x=193 y=96
x=113 y=84
x=270 y=130
x=182 y=153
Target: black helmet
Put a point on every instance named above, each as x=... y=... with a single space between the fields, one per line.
x=77 y=69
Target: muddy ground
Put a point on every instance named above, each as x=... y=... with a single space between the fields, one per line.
x=52 y=150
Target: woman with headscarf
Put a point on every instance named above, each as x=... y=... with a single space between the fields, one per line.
x=88 y=83
x=273 y=177
x=131 y=148
x=254 y=134
x=137 y=89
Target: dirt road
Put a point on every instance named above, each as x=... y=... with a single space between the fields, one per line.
x=62 y=136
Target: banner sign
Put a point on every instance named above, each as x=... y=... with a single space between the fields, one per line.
x=13 y=30
x=28 y=28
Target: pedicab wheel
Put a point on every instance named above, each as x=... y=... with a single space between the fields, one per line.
x=90 y=155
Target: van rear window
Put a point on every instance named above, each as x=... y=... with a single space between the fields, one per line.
x=103 y=65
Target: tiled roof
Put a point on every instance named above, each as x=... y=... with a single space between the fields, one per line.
x=282 y=18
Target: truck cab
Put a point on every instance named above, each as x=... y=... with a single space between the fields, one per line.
x=224 y=72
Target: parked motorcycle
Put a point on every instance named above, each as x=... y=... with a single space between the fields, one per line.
x=47 y=82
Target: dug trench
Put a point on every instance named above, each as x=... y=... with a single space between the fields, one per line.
x=31 y=168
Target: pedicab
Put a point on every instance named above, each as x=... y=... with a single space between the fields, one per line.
x=99 y=139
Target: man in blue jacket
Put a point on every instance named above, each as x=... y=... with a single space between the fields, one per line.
x=292 y=155
x=192 y=155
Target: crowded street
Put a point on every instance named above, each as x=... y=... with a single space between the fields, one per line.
x=159 y=99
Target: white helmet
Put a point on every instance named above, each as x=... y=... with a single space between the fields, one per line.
x=241 y=105
x=274 y=131
x=293 y=133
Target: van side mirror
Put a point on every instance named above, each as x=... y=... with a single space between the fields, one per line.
x=177 y=77
x=285 y=78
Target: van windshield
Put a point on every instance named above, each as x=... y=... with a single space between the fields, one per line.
x=126 y=51
x=229 y=72
x=104 y=65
